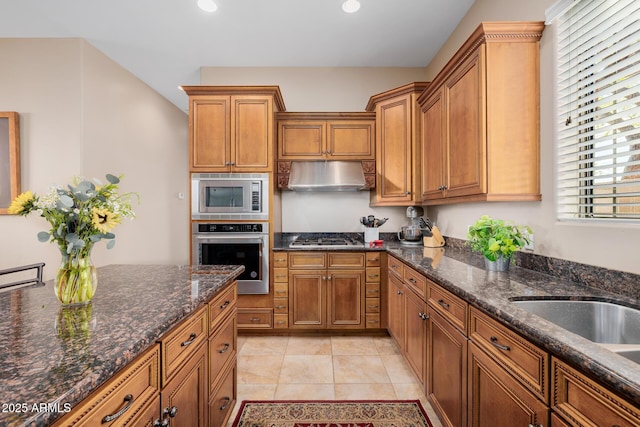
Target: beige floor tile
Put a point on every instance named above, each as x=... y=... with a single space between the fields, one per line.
x=410 y=392
x=297 y=369
x=241 y=341
x=359 y=370
x=305 y=392
x=353 y=346
x=364 y=391
x=398 y=370
x=309 y=345
x=264 y=345
x=259 y=369
x=386 y=345
x=256 y=391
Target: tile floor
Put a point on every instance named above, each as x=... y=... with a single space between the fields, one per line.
x=324 y=368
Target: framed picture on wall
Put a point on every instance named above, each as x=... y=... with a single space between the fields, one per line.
x=9 y=159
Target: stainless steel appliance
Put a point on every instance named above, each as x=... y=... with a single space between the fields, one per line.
x=230 y=196
x=235 y=243
x=324 y=242
x=412 y=234
x=334 y=175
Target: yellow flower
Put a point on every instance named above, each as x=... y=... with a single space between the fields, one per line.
x=104 y=220
x=20 y=202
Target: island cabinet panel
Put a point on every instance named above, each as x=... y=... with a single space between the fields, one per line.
x=581 y=401
x=495 y=398
x=224 y=398
x=222 y=349
x=447 y=367
x=128 y=399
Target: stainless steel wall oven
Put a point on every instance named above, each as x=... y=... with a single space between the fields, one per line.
x=235 y=243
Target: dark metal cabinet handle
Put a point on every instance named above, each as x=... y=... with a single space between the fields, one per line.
x=399 y=292
x=192 y=338
x=158 y=423
x=423 y=316
x=254 y=319
x=225 y=348
x=412 y=280
x=225 y=305
x=442 y=303
x=128 y=400
x=226 y=403
x=494 y=341
x=171 y=412
x=540 y=425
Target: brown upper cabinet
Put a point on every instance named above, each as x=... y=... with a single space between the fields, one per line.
x=481 y=119
x=397 y=146
x=231 y=128
x=326 y=136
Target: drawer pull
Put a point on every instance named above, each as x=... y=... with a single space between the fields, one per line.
x=372 y=306
x=128 y=400
x=442 y=303
x=494 y=341
x=225 y=348
x=423 y=316
x=412 y=280
x=281 y=306
x=254 y=319
x=226 y=403
x=225 y=305
x=540 y=425
x=164 y=423
x=191 y=339
x=372 y=291
x=171 y=412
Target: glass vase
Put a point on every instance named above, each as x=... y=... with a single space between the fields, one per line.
x=77 y=279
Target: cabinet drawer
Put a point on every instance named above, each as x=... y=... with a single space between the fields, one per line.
x=280 y=259
x=372 y=305
x=307 y=260
x=221 y=306
x=182 y=342
x=372 y=290
x=280 y=275
x=137 y=387
x=583 y=402
x=372 y=259
x=224 y=399
x=415 y=281
x=281 y=305
x=395 y=266
x=373 y=320
x=222 y=348
x=255 y=318
x=372 y=275
x=346 y=260
x=450 y=306
x=281 y=289
x=280 y=320
x=517 y=355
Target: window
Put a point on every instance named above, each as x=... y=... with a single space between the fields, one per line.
x=598 y=150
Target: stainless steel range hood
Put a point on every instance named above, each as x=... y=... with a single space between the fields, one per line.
x=326 y=176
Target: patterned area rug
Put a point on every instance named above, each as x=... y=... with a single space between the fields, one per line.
x=326 y=413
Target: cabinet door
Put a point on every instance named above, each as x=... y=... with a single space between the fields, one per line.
x=396 y=310
x=301 y=140
x=345 y=299
x=307 y=298
x=466 y=129
x=252 y=125
x=446 y=371
x=394 y=151
x=187 y=392
x=434 y=150
x=496 y=399
x=210 y=133
x=415 y=333
x=351 y=140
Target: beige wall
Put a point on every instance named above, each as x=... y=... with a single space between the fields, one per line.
x=82 y=114
x=607 y=245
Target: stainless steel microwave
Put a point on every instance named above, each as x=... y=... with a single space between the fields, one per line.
x=230 y=196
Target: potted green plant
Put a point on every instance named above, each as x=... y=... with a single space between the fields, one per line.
x=497 y=240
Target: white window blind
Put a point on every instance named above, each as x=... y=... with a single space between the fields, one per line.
x=598 y=151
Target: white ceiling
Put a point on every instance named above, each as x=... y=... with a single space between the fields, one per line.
x=165 y=42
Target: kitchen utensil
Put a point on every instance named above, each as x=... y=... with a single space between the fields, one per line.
x=370 y=220
x=382 y=221
x=435 y=240
x=410 y=233
x=426 y=223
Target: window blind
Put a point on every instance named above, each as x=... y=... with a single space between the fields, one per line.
x=598 y=149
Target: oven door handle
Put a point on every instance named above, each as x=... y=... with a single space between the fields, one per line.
x=231 y=239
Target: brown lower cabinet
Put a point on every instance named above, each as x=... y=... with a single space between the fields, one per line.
x=495 y=398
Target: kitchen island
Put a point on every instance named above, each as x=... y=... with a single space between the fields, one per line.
x=462 y=273
x=52 y=358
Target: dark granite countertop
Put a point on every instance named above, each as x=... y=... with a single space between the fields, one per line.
x=58 y=357
x=462 y=273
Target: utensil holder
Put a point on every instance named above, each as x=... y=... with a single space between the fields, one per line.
x=371 y=234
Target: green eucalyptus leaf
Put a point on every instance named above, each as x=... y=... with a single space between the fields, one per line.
x=95 y=237
x=43 y=236
x=113 y=179
x=66 y=201
x=85 y=187
x=108 y=236
x=111 y=244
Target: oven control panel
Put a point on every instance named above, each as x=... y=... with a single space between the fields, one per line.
x=230 y=228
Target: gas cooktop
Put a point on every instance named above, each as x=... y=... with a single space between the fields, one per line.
x=326 y=242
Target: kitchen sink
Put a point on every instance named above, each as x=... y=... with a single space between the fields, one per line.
x=597 y=321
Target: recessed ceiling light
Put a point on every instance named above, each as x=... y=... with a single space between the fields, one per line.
x=207 y=5
x=351 y=6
